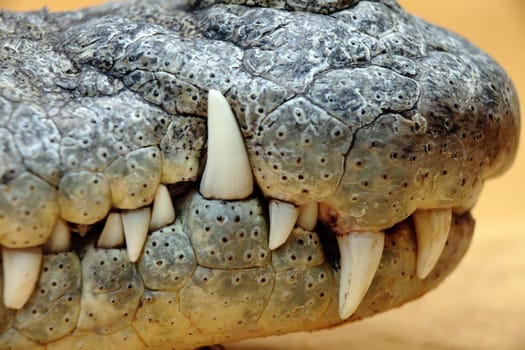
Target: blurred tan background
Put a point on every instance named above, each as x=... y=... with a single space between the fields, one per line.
x=481 y=305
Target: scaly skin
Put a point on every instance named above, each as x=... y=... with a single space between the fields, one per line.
x=356 y=105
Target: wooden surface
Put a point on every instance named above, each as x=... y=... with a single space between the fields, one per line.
x=482 y=304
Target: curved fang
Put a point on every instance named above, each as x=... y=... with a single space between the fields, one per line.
x=308 y=215
x=60 y=239
x=21 y=271
x=360 y=256
x=227 y=174
x=432 y=227
x=163 y=212
x=135 y=223
x=113 y=233
x=282 y=220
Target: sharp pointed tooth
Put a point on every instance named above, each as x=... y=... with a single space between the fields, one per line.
x=227 y=174
x=82 y=230
x=113 y=233
x=308 y=214
x=135 y=223
x=360 y=256
x=163 y=212
x=60 y=239
x=282 y=220
x=432 y=227
x=21 y=271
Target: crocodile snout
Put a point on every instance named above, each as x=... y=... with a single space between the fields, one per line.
x=184 y=175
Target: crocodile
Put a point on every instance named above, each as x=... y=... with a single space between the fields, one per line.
x=178 y=174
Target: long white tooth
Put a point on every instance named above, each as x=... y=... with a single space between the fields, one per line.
x=113 y=233
x=432 y=227
x=282 y=220
x=135 y=223
x=308 y=214
x=163 y=212
x=60 y=239
x=360 y=256
x=21 y=271
x=227 y=174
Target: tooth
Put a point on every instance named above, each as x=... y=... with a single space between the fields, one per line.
x=60 y=239
x=112 y=234
x=282 y=220
x=227 y=174
x=21 y=271
x=135 y=223
x=163 y=212
x=432 y=227
x=308 y=216
x=82 y=230
x=360 y=257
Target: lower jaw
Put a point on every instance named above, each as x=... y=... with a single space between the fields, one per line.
x=394 y=284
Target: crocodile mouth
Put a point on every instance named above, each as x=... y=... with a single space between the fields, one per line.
x=138 y=211
x=222 y=258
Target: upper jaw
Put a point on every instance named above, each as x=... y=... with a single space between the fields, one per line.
x=362 y=134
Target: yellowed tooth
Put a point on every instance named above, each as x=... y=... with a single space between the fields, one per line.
x=81 y=230
x=432 y=227
x=135 y=223
x=163 y=212
x=21 y=271
x=227 y=174
x=308 y=214
x=282 y=220
x=60 y=239
x=112 y=235
x=360 y=256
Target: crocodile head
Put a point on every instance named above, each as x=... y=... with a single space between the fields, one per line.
x=182 y=174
